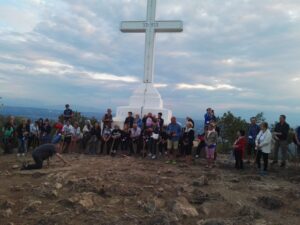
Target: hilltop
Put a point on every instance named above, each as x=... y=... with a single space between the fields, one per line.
x=131 y=190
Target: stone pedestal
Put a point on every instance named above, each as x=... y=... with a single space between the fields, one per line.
x=144 y=99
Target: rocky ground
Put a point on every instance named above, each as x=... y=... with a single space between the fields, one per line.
x=129 y=190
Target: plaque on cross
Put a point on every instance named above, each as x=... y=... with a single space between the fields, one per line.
x=150 y=26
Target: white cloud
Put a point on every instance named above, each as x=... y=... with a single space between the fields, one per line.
x=296 y=79
x=223 y=87
x=158 y=85
x=112 y=77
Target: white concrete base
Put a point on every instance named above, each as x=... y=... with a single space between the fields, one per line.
x=145 y=99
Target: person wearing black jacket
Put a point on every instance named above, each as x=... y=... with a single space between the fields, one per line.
x=162 y=143
x=160 y=120
x=68 y=113
x=45 y=132
x=129 y=120
x=116 y=139
x=125 y=136
x=42 y=153
x=281 y=132
x=187 y=141
x=22 y=134
x=95 y=138
x=152 y=144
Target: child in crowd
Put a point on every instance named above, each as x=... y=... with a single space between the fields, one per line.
x=211 y=138
x=239 y=149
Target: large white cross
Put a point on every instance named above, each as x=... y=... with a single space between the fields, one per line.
x=150 y=27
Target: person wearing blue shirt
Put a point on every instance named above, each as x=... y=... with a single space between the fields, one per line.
x=174 y=133
x=252 y=133
x=208 y=116
x=138 y=121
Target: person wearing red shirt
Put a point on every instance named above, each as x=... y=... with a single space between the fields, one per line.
x=239 y=149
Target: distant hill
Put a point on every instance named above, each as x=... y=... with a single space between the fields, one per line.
x=35 y=113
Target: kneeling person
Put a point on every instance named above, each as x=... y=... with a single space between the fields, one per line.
x=41 y=153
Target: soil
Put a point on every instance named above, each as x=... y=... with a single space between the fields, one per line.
x=131 y=190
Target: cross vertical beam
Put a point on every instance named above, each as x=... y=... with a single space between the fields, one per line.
x=150 y=27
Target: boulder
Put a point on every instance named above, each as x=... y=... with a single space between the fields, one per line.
x=83 y=200
x=183 y=208
x=32 y=207
x=198 y=197
x=6 y=213
x=235 y=180
x=15 y=167
x=7 y=204
x=249 y=211
x=58 y=186
x=86 y=201
x=150 y=206
x=269 y=202
x=202 y=181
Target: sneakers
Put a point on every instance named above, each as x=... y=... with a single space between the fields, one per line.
x=23 y=154
x=153 y=157
x=197 y=156
x=18 y=155
x=168 y=162
x=149 y=154
x=174 y=162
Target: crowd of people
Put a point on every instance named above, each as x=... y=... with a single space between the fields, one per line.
x=148 y=136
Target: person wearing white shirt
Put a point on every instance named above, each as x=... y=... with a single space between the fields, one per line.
x=35 y=134
x=68 y=132
x=135 y=138
x=263 y=144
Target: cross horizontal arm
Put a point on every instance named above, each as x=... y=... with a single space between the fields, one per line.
x=133 y=26
x=169 y=26
x=159 y=26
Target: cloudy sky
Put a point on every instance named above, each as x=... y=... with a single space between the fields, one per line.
x=238 y=55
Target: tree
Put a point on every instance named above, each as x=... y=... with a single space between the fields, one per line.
x=260 y=117
x=229 y=125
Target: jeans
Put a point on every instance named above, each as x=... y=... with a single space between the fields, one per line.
x=115 y=144
x=22 y=145
x=265 y=157
x=137 y=142
x=283 y=145
x=124 y=144
x=152 y=146
x=93 y=145
x=107 y=144
x=238 y=159
x=162 y=146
